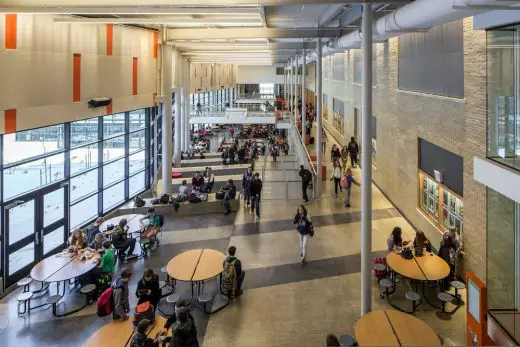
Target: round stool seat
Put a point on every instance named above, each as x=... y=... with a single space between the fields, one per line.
x=206 y=297
x=25 y=296
x=162 y=284
x=89 y=288
x=457 y=284
x=413 y=296
x=24 y=282
x=445 y=297
x=386 y=283
x=379 y=267
x=163 y=269
x=53 y=299
x=173 y=298
x=176 y=174
x=346 y=340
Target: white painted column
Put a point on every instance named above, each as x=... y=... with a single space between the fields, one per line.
x=177 y=138
x=167 y=144
x=319 y=154
x=366 y=160
x=304 y=61
x=183 y=101
x=187 y=76
x=294 y=82
x=285 y=81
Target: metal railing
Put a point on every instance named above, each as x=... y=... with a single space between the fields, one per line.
x=302 y=155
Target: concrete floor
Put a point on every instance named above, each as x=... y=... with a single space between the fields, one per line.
x=284 y=304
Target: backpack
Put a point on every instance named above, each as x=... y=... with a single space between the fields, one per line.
x=219 y=195
x=144 y=310
x=161 y=220
x=105 y=303
x=165 y=198
x=343 y=181
x=156 y=201
x=380 y=274
x=139 y=202
x=306 y=175
x=311 y=229
x=229 y=278
x=194 y=199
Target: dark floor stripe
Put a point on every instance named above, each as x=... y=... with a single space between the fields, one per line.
x=173 y=223
x=317 y=221
x=314 y=269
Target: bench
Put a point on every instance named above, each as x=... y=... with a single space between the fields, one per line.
x=219 y=181
x=218 y=170
x=201 y=162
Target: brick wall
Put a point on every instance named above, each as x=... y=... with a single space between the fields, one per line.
x=457 y=125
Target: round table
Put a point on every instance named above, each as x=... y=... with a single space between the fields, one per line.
x=428 y=267
x=394 y=328
x=131 y=219
x=119 y=333
x=196 y=265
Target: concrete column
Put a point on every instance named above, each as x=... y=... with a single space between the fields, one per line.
x=366 y=160
x=183 y=101
x=177 y=137
x=188 y=105
x=319 y=154
x=290 y=85
x=285 y=81
x=304 y=109
x=296 y=86
x=294 y=81
x=167 y=145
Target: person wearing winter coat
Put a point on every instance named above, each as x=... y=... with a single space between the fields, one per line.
x=353 y=150
x=336 y=176
x=246 y=186
x=148 y=289
x=256 y=192
x=120 y=293
x=303 y=226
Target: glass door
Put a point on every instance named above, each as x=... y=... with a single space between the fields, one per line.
x=34 y=228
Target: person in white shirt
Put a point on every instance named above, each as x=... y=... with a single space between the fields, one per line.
x=209 y=180
x=183 y=188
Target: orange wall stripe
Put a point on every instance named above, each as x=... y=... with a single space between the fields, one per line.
x=134 y=76
x=110 y=38
x=10 y=31
x=155 y=40
x=10 y=121
x=109 y=108
x=76 y=78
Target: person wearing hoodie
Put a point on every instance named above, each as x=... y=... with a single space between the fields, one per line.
x=448 y=251
x=246 y=186
x=140 y=339
x=173 y=319
x=184 y=330
x=353 y=150
x=120 y=293
x=148 y=289
x=256 y=192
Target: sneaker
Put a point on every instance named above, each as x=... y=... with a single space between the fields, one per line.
x=257 y=217
x=240 y=292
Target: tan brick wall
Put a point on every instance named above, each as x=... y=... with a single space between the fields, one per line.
x=459 y=126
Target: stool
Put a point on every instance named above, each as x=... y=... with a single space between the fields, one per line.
x=386 y=284
x=169 y=281
x=25 y=299
x=413 y=297
x=458 y=285
x=444 y=298
x=204 y=298
x=176 y=174
x=90 y=292
x=173 y=298
x=24 y=282
x=382 y=268
x=347 y=340
x=53 y=300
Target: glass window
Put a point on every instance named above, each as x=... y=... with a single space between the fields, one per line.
x=21 y=258
x=358 y=63
x=338 y=122
x=53 y=239
x=33 y=143
x=136 y=183
x=53 y=206
x=452 y=211
x=136 y=162
x=113 y=148
x=113 y=125
x=84 y=131
x=113 y=196
x=29 y=176
x=113 y=172
x=137 y=119
x=83 y=158
x=21 y=221
x=83 y=184
x=137 y=141
x=83 y=211
x=430 y=196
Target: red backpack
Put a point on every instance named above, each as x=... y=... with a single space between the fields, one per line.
x=105 y=303
x=377 y=273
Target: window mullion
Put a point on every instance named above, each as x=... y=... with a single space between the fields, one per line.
x=127 y=150
x=100 y=166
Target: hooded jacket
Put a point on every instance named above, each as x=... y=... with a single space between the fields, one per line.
x=120 y=293
x=141 y=340
x=246 y=181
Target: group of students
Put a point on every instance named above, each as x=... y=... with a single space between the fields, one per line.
x=252 y=190
x=341 y=174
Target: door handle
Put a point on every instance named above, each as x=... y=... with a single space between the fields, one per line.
x=37 y=239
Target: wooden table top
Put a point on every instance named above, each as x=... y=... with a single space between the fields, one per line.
x=394 y=328
x=429 y=267
x=183 y=266
x=119 y=333
x=48 y=266
x=406 y=267
x=210 y=265
x=132 y=222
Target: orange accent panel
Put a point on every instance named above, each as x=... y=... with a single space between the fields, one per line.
x=109 y=108
x=110 y=38
x=10 y=31
x=76 y=78
x=134 y=76
x=155 y=40
x=10 y=121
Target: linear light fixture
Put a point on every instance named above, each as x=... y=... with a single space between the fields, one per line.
x=158 y=21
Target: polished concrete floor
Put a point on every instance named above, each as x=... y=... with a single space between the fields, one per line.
x=284 y=303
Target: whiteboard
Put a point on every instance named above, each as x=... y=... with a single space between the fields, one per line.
x=474 y=300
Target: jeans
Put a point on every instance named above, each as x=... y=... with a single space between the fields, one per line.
x=305 y=185
x=344 y=164
x=225 y=202
x=240 y=280
x=247 y=196
x=303 y=244
x=255 y=205
x=337 y=182
x=353 y=159
x=128 y=244
x=347 y=195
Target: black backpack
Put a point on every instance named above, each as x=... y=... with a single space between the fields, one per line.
x=165 y=198
x=161 y=220
x=306 y=175
x=194 y=199
x=139 y=202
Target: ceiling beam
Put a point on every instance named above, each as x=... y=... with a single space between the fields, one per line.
x=247 y=22
x=250 y=33
x=329 y=15
x=133 y=10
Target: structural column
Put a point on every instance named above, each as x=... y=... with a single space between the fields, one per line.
x=319 y=154
x=295 y=77
x=285 y=81
x=304 y=92
x=366 y=160
x=167 y=144
x=187 y=76
x=183 y=101
x=178 y=125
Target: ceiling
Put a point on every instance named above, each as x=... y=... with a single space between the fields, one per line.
x=242 y=32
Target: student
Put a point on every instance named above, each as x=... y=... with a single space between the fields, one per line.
x=256 y=192
x=344 y=157
x=173 y=318
x=421 y=241
x=183 y=189
x=77 y=240
x=275 y=152
x=231 y=192
x=197 y=182
x=353 y=150
x=395 y=241
x=154 y=224
x=241 y=155
x=140 y=338
x=122 y=242
x=246 y=186
x=240 y=274
x=148 y=289
x=97 y=244
x=209 y=181
x=336 y=176
x=349 y=179
x=108 y=260
x=199 y=108
x=306 y=180
x=184 y=330
x=93 y=230
x=335 y=154
x=303 y=225
x=120 y=293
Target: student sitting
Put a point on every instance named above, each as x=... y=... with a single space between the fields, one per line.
x=154 y=226
x=120 y=295
x=421 y=241
x=395 y=241
x=97 y=244
x=93 y=230
x=197 y=182
x=77 y=240
x=231 y=192
x=239 y=273
x=140 y=338
x=122 y=242
x=148 y=289
x=183 y=189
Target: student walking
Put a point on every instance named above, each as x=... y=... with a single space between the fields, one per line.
x=246 y=186
x=334 y=154
x=306 y=180
x=275 y=152
x=256 y=192
x=304 y=228
x=344 y=157
x=336 y=176
x=346 y=182
x=353 y=150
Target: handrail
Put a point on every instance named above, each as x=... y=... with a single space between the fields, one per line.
x=304 y=147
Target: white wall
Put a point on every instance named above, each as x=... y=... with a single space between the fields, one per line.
x=254 y=74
